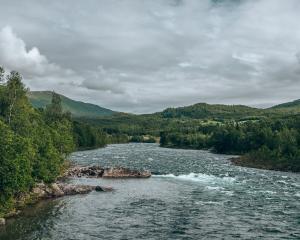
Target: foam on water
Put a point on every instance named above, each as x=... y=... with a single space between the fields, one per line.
x=199 y=177
x=214 y=188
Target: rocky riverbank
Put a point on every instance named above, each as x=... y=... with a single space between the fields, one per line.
x=61 y=188
x=43 y=191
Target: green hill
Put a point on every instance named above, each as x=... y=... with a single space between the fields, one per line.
x=204 y=110
x=294 y=104
x=39 y=99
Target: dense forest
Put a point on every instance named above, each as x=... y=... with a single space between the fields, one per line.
x=269 y=143
x=33 y=143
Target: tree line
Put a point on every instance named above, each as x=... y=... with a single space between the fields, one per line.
x=268 y=143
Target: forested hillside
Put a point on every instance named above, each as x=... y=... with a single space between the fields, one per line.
x=215 y=111
x=184 y=117
x=40 y=99
x=294 y=105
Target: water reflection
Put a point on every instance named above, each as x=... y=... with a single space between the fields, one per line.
x=33 y=219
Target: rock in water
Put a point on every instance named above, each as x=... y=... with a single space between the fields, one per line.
x=39 y=190
x=125 y=173
x=2 y=221
x=70 y=189
x=98 y=172
x=93 y=171
x=56 y=190
x=99 y=189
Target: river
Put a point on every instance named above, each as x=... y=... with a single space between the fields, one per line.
x=193 y=195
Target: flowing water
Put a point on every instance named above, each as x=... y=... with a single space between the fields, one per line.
x=193 y=195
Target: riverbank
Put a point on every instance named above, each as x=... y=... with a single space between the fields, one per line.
x=61 y=187
x=42 y=191
x=246 y=161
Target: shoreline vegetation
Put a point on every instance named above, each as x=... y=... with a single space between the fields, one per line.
x=33 y=143
x=272 y=144
x=243 y=161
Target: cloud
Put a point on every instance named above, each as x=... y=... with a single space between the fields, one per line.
x=41 y=73
x=34 y=66
x=155 y=54
x=103 y=80
x=13 y=54
x=298 y=57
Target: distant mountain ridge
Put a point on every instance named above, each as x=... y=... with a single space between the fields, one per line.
x=204 y=110
x=39 y=99
x=293 y=104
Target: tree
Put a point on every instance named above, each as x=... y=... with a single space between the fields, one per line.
x=1 y=74
x=54 y=111
x=16 y=109
x=16 y=154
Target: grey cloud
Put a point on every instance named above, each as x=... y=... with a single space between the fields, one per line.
x=103 y=80
x=156 y=54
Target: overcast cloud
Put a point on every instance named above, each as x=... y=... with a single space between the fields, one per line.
x=143 y=56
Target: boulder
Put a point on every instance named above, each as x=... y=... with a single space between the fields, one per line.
x=12 y=214
x=56 y=190
x=93 y=171
x=39 y=191
x=2 y=221
x=107 y=189
x=70 y=189
x=99 y=189
x=120 y=172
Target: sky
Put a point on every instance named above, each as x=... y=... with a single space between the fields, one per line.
x=142 y=56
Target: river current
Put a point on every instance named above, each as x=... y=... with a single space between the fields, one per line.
x=192 y=195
